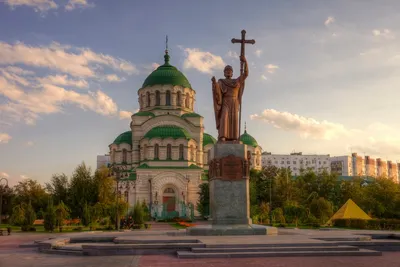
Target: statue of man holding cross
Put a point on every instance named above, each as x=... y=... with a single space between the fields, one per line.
x=227 y=96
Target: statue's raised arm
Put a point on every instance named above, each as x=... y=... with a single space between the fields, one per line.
x=245 y=73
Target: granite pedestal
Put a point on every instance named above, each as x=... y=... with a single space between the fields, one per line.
x=229 y=170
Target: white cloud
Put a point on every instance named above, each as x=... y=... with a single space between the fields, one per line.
x=377 y=139
x=125 y=114
x=258 y=52
x=29 y=143
x=232 y=54
x=37 y=5
x=4 y=138
x=264 y=77
x=271 y=68
x=64 y=81
x=306 y=127
x=329 y=20
x=384 y=33
x=82 y=4
x=49 y=98
x=202 y=61
x=61 y=58
x=114 y=78
x=4 y=175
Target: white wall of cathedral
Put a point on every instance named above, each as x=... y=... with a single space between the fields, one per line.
x=121 y=153
x=185 y=185
x=166 y=96
x=192 y=151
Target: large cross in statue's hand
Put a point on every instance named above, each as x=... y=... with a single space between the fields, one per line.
x=242 y=42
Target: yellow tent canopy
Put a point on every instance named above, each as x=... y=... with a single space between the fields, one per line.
x=349 y=210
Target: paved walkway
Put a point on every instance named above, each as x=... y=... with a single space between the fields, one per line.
x=11 y=256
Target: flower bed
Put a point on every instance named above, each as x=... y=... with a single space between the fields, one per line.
x=186 y=224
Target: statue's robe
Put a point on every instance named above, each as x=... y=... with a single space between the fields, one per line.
x=227 y=98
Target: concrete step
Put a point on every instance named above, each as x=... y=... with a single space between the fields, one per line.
x=253 y=245
x=266 y=249
x=193 y=255
x=153 y=241
x=144 y=246
x=29 y=245
x=62 y=252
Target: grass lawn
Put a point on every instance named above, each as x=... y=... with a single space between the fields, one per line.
x=177 y=226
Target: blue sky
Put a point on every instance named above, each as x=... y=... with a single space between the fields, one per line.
x=324 y=75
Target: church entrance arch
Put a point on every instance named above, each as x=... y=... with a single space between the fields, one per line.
x=169 y=199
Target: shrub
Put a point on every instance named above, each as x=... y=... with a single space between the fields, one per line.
x=358 y=223
x=342 y=222
x=50 y=218
x=138 y=214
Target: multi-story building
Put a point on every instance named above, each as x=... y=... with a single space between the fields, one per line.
x=342 y=165
x=296 y=161
x=103 y=160
x=370 y=166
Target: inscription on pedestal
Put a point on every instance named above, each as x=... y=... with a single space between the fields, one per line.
x=231 y=168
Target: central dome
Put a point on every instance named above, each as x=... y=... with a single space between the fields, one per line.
x=166 y=74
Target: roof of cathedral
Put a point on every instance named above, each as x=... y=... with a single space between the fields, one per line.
x=124 y=138
x=144 y=113
x=208 y=139
x=248 y=139
x=167 y=74
x=186 y=115
x=167 y=131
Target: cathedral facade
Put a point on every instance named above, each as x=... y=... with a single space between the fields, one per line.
x=165 y=151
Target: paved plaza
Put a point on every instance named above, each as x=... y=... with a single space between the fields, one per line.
x=12 y=256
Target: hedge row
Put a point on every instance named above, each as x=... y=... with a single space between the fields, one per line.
x=374 y=224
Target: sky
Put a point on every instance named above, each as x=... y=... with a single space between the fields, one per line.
x=324 y=75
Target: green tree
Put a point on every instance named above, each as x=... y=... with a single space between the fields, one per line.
x=62 y=212
x=30 y=191
x=203 y=204
x=105 y=185
x=58 y=187
x=83 y=190
x=138 y=216
x=321 y=209
x=86 y=215
x=50 y=217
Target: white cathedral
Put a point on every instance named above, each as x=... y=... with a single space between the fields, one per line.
x=165 y=150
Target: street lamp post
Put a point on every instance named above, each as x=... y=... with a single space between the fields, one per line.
x=1 y=196
x=120 y=172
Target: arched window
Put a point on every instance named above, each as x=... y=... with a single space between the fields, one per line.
x=148 y=99
x=156 y=151
x=157 y=98
x=169 y=151
x=126 y=194
x=181 y=152
x=168 y=98
x=178 y=99
x=124 y=155
x=145 y=152
x=187 y=100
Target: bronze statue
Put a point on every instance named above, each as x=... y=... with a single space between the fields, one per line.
x=227 y=96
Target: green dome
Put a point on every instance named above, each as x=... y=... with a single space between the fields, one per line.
x=187 y=115
x=167 y=131
x=124 y=138
x=144 y=113
x=248 y=139
x=208 y=139
x=166 y=74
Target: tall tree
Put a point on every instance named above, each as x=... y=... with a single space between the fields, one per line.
x=58 y=187
x=30 y=191
x=105 y=186
x=82 y=190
